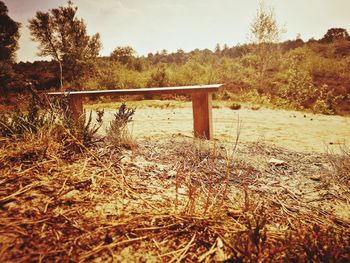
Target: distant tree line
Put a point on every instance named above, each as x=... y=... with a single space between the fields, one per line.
x=312 y=74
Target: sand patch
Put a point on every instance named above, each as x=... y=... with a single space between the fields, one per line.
x=289 y=129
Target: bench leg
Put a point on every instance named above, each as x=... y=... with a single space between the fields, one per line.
x=75 y=104
x=202 y=115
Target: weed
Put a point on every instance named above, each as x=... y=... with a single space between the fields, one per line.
x=17 y=123
x=235 y=106
x=326 y=100
x=87 y=132
x=73 y=134
x=341 y=165
x=117 y=133
x=53 y=120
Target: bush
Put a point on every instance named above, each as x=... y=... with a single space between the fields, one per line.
x=53 y=120
x=296 y=80
x=326 y=100
x=235 y=106
x=18 y=123
x=117 y=133
x=116 y=76
x=159 y=78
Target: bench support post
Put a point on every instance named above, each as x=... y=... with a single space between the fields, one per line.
x=202 y=115
x=75 y=104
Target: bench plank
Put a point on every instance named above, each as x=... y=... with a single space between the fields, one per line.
x=143 y=91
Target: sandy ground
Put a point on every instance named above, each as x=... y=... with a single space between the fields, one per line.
x=289 y=129
x=172 y=198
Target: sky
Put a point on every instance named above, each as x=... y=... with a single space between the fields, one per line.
x=154 y=25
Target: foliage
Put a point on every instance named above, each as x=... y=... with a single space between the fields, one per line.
x=9 y=35
x=54 y=120
x=116 y=76
x=123 y=54
x=290 y=74
x=17 y=123
x=159 y=78
x=335 y=34
x=7 y=76
x=235 y=106
x=326 y=100
x=63 y=37
x=89 y=130
x=264 y=28
x=42 y=74
x=299 y=87
x=74 y=134
x=265 y=32
x=190 y=73
x=117 y=133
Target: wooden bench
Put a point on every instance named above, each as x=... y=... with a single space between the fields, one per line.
x=201 y=102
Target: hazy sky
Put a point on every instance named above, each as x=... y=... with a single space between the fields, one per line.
x=153 y=25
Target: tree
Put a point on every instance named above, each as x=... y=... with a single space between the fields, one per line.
x=123 y=54
x=9 y=36
x=264 y=28
x=335 y=34
x=63 y=37
x=180 y=57
x=265 y=34
x=217 y=49
x=159 y=78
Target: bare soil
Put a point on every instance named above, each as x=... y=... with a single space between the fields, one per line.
x=292 y=130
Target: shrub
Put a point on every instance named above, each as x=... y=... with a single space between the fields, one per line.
x=326 y=100
x=159 y=78
x=235 y=106
x=53 y=120
x=117 y=133
x=86 y=133
x=18 y=123
x=75 y=134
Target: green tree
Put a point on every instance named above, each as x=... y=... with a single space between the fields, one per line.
x=217 y=49
x=159 y=78
x=299 y=88
x=9 y=36
x=264 y=35
x=180 y=57
x=335 y=34
x=63 y=37
x=123 y=54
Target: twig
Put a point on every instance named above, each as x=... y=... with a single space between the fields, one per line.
x=19 y=192
x=208 y=253
x=184 y=251
x=101 y=247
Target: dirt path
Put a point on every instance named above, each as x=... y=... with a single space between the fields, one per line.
x=289 y=129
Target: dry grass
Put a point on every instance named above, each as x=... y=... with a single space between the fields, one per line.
x=341 y=165
x=169 y=201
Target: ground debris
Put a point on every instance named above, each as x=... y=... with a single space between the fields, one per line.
x=175 y=199
x=276 y=162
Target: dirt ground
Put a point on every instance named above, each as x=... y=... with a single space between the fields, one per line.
x=170 y=198
x=293 y=130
